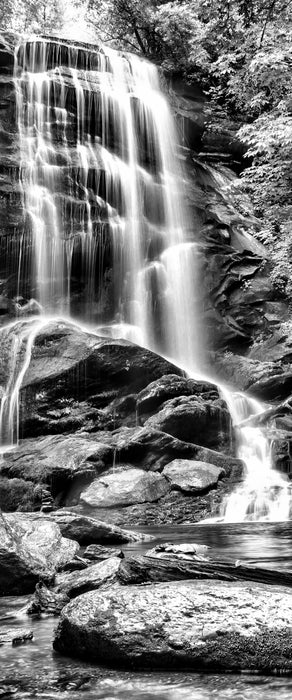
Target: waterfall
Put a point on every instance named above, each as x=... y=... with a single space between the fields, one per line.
x=265 y=494
x=99 y=151
x=16 y=344
x=101 y=175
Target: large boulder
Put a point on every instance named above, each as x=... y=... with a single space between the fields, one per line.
x=75 y=378
x=31 y=549
x=124 y=487
x=192 y=477
x=90 y=579
x=171 y=386
x=74 y=375
x=194 y=419
x=56 y=461
x=196 y=626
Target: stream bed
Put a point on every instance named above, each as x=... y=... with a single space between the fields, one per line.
x=34 y=670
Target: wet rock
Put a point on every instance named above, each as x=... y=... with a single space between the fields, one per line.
x=57 y=461
x=17 y=494
x=67 y=464
x=172 y=386
x=93 y=577
x=15 y=636
x=187 y=102
x=174 y=508
x=195 y=420
x=19 y=572
x=190 y=476
x=76 y=564
x=86 y=530
x=97 y=552
x=43 y=537
x=195 y=626
x=277 y=348
x=152 y=449
x=125 y=487
x=31 y=549
x=184 y=551
x=245 y=373
x=236 y=289
x=69 y=392
x=269 y=380
x=273 y=388
x=46 y=601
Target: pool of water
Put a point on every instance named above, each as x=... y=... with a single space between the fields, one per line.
x=34 y=670
x=262 y=544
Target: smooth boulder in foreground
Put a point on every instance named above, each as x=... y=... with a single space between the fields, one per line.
x=196 y=626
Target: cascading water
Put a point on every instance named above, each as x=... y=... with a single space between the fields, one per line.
x=99 y=149
x=264 y=494
x=100 y=168
x=16 y=342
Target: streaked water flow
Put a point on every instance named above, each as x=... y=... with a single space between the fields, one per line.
x=265 y=493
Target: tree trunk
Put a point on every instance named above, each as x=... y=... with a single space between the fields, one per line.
x=142 y=569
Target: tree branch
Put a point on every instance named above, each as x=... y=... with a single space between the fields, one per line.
x=269 y=14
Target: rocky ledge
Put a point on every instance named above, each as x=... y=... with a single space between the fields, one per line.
x=116 y=431
x=185 y=626
x=33 y=548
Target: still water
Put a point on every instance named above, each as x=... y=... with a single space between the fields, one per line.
x=34 y=670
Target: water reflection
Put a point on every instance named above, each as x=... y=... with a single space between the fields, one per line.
x=266 y=544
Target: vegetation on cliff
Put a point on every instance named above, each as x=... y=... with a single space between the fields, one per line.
x=239 y=51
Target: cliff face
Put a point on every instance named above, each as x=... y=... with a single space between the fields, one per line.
x=236 y=294
x=11 y=211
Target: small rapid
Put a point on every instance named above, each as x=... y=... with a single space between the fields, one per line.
x=265 y=494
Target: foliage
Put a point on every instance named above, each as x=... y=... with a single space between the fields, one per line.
x=35 y=16
x=268 y=181
x=169 y=33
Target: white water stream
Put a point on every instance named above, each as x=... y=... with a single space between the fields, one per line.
x=99 y=159
x=265 y=494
